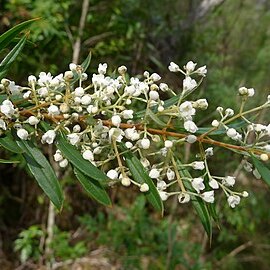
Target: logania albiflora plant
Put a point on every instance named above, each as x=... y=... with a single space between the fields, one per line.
x=119 y=130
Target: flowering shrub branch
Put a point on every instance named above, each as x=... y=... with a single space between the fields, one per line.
x=121 y=130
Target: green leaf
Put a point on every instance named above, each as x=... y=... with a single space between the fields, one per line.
x=155 y=118
x=9 y=35
x=75 y=157
x=12 y=55
x=198 y=204
x=8 y=161
x=8 y=143
x=93 y=188
x=262 y=169
x=41 y=169
x=140 y=175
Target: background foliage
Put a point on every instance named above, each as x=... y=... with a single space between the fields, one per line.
x=233 y=40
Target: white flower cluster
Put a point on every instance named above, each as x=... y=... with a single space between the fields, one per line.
x=99 y=116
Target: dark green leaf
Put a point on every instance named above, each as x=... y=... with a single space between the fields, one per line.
x=198 y=204
x=8 y=36
x=42 y=171
x=155 y=118
x=140 y=175
x=75 y=157
x=11 y=56
x=262 y=169
x=93 y=188
x=8 y=161
x=9 y=143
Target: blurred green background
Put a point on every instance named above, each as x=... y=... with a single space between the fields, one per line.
x=231 y=37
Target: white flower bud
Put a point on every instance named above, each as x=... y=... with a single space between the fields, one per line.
x=153 y=95
x=64 y=108
x=243 y=91
x=48 y=137
x=122 y=70
x=190 y=126
x=63 y=163
x=251 y=92
x=154 y=173
x=86 y=100
x=168 y=144
x=197 y=165
x=163 y=87
x=231 y=132
x=264 y=157
x=170 y=174
x=145 y=162
x=245 y=194
x=57 y=156
x=73 y=138
x=144 y=187
x=213 y=184
x=128 y=145
x=145 y=143
x=201 y=71
x=68 y=75
x=197 y=184
x=53 y=110
x=127 y=114
x=76 y=128
x=3 y=124
x=229 y=112
x=73 y=67
x=190 y=66
x=163 y=195
x=102 y=68
x=155 y=77
x=22 y=134
x=32 y=120
x=58 y=97
x=229 y=181
x=183 y=197
x=215 y=123
x=125 y=181
x=161 y=185
x=112 y=174
x=32 y=79
x=208 y=196
x=191 y=138
x=79 y=92
x=233 y=200
x=84 y=77
x=160 y=108
x=88 y=155
x=116 y=120
x=27 y=94
x=173 y=67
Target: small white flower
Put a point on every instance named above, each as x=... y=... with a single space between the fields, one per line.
x=48 y=137
x=229 y=112
x=73 y=138
x=209 y=152
x=86 y=100
x=125 y=181
x=32 y=79
x=213 y=184
x=170 y=174
x=251 y=92
x=197 y=184
x=72 y=67
x=245 y=194
x=189 y=84
x=102 y=68
x=144 y=187
x=208 y=196
x=191 y=139
x=173 y=67
x=27 y=94
x=233 y=200
x=116 y=133
x=190 y=66
x=145 y=162
x=231 y=132
x=3 y=124
x=116 y=120
x=88 y=155
x=229 y=181
x=153 y=95
x=243 y=91
x=43 y=92
x=7 y=108
x=155 y=77
x=132 y=134
x=215 y=123
x=58 y=156
x=76 y=128
x=112 y=174
x=145 y=143
x=202 y=71
x=163 y=87
x=168 y=144
x=161 y=185
x=163 y=195
x=186 y=110
x=63 y=163
x=79 y=92
x=22 y=134
x=128 y=145
x=264 y=157
x=154 y=173
x=127 y=114
x=201 y=104
x=197 y=165
x=32 y=120
x=183 y=197
x=53 y=110
x=190 y=126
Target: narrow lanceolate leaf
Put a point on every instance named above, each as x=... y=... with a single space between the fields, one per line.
x=75 y=157
x=42 y=171
x=262 y=169
x=8 y=161
x=155 y=118
x=8 y=143
x=140 y=175
x=198 y=204
x=93 y=188
x=11 y=56
x=9 y=35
